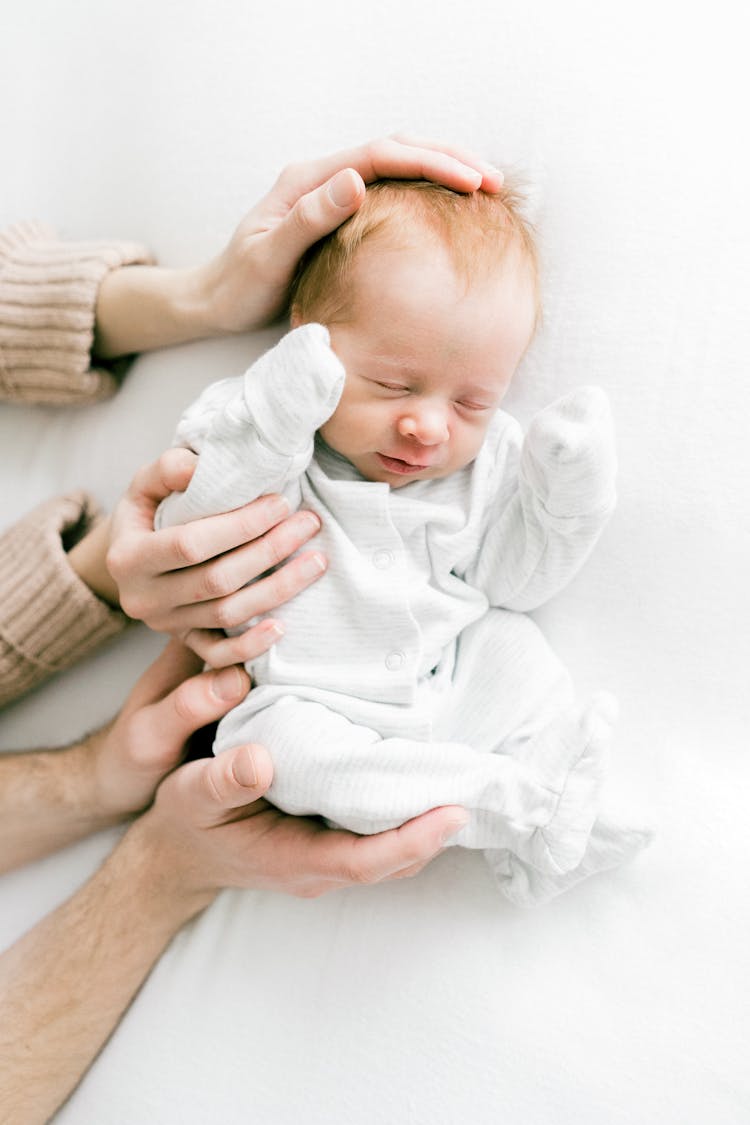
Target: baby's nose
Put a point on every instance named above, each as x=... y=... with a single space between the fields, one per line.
x=427 y=425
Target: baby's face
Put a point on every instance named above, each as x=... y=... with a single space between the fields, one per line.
x=427 y=361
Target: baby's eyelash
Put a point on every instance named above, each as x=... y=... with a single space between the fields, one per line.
x=391 y=386
x=474 y=405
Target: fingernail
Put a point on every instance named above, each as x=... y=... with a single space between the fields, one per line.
x=229 y=684
x=309 y=521
x=454 y=828
x=243 y=768
x=491 y=170
x=312 y=565
x=274 y=629
x=280 y=508
x=344 y=188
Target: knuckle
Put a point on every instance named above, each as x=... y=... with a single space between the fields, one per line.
x=284 y=584
x=300 y=216
x=209 y=785
x=133 y=606
x=214 y=583
x=275 y=548
x=227 y=614
x=119 y=559
x=289 y=172
x=362 y=873
x=239 y=649
x=187 y=704
x=186 y=546
x=252 y=522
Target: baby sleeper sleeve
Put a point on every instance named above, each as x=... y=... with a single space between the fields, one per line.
x=555 y=495
x=255 y=434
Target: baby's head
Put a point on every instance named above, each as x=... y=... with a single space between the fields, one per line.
x=431 y=299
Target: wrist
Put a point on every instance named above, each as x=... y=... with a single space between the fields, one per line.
x=144 y=307
x=48 y=799
x=206 y=292
x=165 y=871
x=88 y=559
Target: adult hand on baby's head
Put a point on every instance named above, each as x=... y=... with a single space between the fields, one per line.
x=210 y=830
x=190 y=580
x=247 y=285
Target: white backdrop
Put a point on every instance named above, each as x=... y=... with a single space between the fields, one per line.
x=434 y=1000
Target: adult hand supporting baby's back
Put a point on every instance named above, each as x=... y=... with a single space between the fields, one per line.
x=191 y=580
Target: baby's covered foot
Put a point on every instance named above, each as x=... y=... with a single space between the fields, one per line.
x=569 y=757
x=610 y=844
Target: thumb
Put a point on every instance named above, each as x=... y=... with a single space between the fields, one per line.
x=318 y=213
x=164 y=726
x=214 y=789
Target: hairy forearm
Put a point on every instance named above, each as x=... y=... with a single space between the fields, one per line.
x=145 y=307
x=48 y=799
x=65 y=985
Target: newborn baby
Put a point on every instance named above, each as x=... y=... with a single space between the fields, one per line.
x=407 y=677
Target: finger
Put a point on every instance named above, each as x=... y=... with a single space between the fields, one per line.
x=175 y=663
x=315 y=214
x=172 y=472
x=392 y=158
x=213 y=788
x=196 y=702
x=492 y=177
x=134 y=515
x=410 y=872
x=193 y=543
x=256 y=600
x=231 y=571
x=220 y=651
x=370 y=859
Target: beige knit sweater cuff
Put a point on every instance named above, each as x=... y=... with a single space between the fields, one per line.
x=48 y=294
x=49 y=618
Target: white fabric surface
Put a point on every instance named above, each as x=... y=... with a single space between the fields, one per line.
x=625 y=1001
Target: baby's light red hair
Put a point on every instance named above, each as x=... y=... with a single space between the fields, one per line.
x=477 y=229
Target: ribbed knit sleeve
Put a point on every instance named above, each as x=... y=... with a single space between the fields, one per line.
x=48 y=294
x=49 y=618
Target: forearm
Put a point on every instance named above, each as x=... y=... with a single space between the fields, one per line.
x=48 y=799
x=65 y=985
x=144 y=307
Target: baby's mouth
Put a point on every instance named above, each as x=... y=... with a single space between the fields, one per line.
x=398 y=465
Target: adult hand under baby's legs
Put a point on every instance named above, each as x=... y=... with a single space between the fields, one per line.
x=208 y=829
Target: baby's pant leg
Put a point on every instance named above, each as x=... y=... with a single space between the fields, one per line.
x=507 y=684
x=511 y=695
x=326 y=765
